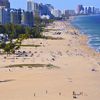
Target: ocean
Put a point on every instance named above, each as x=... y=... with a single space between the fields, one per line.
x=90 y=26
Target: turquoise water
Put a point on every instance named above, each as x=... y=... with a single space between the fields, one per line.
x=90 y=26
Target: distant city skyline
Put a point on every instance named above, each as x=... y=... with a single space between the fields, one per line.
x=61 y=4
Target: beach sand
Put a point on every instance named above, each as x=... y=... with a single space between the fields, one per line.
x=75 y=77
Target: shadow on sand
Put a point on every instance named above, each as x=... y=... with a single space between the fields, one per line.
x=4 y=81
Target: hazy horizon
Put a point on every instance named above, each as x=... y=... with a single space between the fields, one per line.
x=61 y=4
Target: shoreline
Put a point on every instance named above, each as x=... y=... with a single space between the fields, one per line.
x=73 y=69
x=84 y=33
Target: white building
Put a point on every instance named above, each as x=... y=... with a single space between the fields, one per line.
x=56 y=13
x=30 y=5
x=45 y=17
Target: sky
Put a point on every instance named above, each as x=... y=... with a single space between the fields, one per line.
x=58 y=4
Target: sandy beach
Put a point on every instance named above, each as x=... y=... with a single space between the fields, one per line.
x=74 y=73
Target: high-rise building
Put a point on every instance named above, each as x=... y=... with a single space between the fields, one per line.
x=56 y=13
x=19 y=12
x=97 y=10
x=44 y=10
x=80 y=9
x=4 y=15
x=30 y=5
x=86 y=10
x=89 y=10
x=66 y=14
x=19 y=16
x=27 y=18
x=50 y=7
x=92 y=10
x=70 y=12
x=15 y=16
x=5 y=3
x=36 y=9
